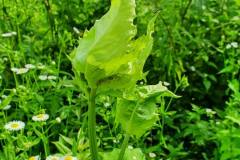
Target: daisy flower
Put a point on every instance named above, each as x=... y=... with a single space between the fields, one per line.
x=9 y=34
x=52 y=157
x=46 y=77
x=43 y=77
x=30 y=66
x=52 y=77
x=22 y=70
x=152 y=155
x=34 y=158
x=58 y=119
x=14 y=125
x=68 y=158
x=40 y=117
x=14 y=69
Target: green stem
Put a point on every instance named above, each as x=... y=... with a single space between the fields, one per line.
x=92 y=124
x=124 y=147
x=45 y=143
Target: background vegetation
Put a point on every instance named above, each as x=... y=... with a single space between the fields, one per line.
x=196 y=50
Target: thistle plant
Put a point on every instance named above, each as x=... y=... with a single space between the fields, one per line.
x=109 y=60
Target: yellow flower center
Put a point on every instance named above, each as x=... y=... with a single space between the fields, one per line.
x=40 y=116
x=32 y=158
x=15 y=125
x=68 y=158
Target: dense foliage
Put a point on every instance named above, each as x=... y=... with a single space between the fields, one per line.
x=195 y=55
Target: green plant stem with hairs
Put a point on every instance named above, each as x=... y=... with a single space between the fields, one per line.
x=124 y=146
x=92 y=124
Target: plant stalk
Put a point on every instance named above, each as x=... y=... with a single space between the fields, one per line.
x=92 y=124
x=124 y=147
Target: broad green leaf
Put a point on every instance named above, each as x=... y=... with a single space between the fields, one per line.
x=149 y=91
x=138 y=113
x=136 y=118
x=130 y=154
x=154 y=91
x=102 y=50
x=107 y=57
x=234 y=119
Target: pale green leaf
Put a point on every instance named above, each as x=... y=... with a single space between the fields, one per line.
x=102 y=50
x=107 y=57
x=138 y=112
x=136 y=118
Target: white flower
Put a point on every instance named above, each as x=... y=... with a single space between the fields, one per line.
x=14 y=69
x=4 y=96
x=43 y=77
x=68 y=158
x=152 y=155
x=34 y=158
x=76 y=30
x=40 y=117
x=210 y=111
x=52 y=77
x=14 y=125
x=7 y=107
x=21 y=87
x=9 y=34
x=30 y=66
x=53 y=157
x=46 y=77
x=115 y=141
x=107 y=104
x=22 y=70
x=5 y=59
x=166 y=84
x=234 y=44
x=58 y=119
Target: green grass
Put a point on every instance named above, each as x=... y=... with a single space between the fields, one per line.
x=195 y=54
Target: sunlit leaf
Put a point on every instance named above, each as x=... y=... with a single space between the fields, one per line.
x=139 y=112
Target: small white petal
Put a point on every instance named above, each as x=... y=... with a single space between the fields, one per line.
x=52 y=77
x=76 y=30
x=34 y=158
x=9 y=34
x=43 y=77
x=14 y=69
x=228 y=46
x=152 y=155
x=58 y=119
x=53 y=157
x=40 y=117
x=234 y=44
x=22 y=70
x=30 y=66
